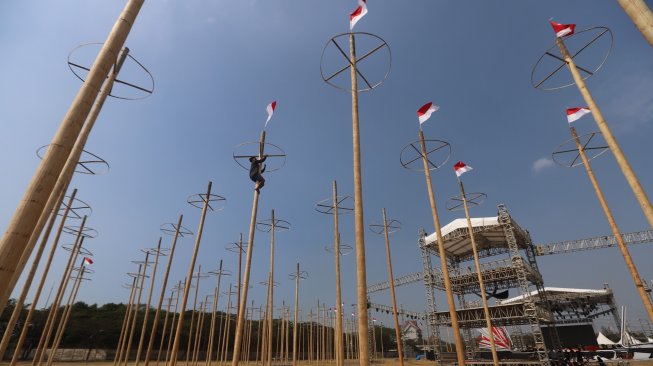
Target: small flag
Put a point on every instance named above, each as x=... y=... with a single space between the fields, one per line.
x=562 y=29
x=424 y=113
x=88 y=260
x=574 y=114
x=461 y=168
x=270 y=109
x=358 y=14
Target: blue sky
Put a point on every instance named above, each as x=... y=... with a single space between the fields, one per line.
x=217 y=64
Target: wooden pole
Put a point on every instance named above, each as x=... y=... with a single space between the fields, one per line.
x=460 y=351
x=164 y=285
x=189 y=279
x=225 y=338
x=626 y=169
x=479 y=276
x=340 y=356
x=33 y=203
x=249 y=336
x=271 y=289
x=258 y=332
x=240 y=263
x=641 y=15
x=639 y=285
x=136 y=308
x=198 y=334
x=126 y=319
x=172 y=324
x=248 y=261
x=147 y=307
x=192 y=317
x=361 y=279
x=18 y=307
x=400 y=351
x=165 y=328
x=294 y=333
x=216 y=296
x=54 y=308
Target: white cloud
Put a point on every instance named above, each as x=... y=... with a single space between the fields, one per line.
x=541 y=164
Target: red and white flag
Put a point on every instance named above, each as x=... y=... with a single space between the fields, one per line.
x=574 y=114
x=88 y=260
x=425 y=111
x=270 y=109
x=460 y=168
x=358 y=14
x=562 y=29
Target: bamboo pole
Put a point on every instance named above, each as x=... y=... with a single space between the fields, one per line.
x=192 y=317
x=266 y=330
x=189 y=279
x=216 y=296
x=136 y=308
x=165 y=327
x=164 y=285
x=63 y=285
x=240 y=262
x=271 y=289
x=198 y=333
x=147 y=307
x=126 y=319
x=248 y=261
x=28 y=282
x=294 y=333
x=361 y=279
x=225 y=338
x=281 y=334
x=173 y=329
x=479 y=276
x=340 y=357
x=641 y=16
x=258 y=332
x=14 y=241
x=639 y=285
x=249 y=335
x=400 y=351
x=625 y=167
x=310 y=337
x=460 y=351
x=221 y=327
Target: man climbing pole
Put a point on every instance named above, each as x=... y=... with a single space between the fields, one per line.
x=255 y=170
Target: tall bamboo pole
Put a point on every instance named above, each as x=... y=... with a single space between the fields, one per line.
x=240 y=263
x=238 y=339
x=460 y=351
x=136 y=308
x=54 y=307
x=33 y=203
x=258 y=332
x=189 y=279
x=164 y=285
x=625 y=167
x=165 y=328
x=127 y=318
x=249 y=335
x=266 y=327
x=225 y=338
x=198 y=333
x=400 y=351
x=28 y=282
x=216 y=296
x=147 y=307
x=479 y=276
x=271 y=316
x=639 y=285
x=173 y=328
x=340 y=356
x=192 y=317
x=641 y=15
x=294 y=333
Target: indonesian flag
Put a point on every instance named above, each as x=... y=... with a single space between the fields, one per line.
x=88 y=260
x=461 y=168
x=425 y=111
x=270 y=109
x=574 y=114
x=562 y=29
x=359 y=13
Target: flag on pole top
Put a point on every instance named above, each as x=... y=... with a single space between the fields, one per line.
x=88 y=260
x=460 y=168
x=270 y=109
x=425 y=111
x=358 y=14
x=562 y=29
x=574 y=114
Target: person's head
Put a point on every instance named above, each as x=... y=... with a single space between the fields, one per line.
x=252 y=159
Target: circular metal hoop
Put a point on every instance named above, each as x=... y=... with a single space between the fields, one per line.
x=567 y=154
x=201 y=275
x=135 y=275
x=127 y=286
x=235 y=247
x=279 y=225
x=265 y=283
x=78 y=209
x=345 y=249
x=393 y=226
x=86 y=270
x=87 y=232
x=163 y=252
x=86 y=161
x=224 y=272
x=326 y=206
x=344 y=38
x=411 y=155
x=474 y=199
x=198 y=201
x=80 y=250
x=79 y=278
x=170 y=229
x=80 y=72
x=576 y=41
x=302 y=275
x=246 y=150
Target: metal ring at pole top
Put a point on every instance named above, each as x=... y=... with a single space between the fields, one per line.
x=594 y=34
x=345 y=249
x=80 y=72
x=215 y=272
x=86 y=269
x=153 y=251
x=86 y=161
x=302 y=275
x=170 y=229
x=366 y=37
x=567 y=154
x=77 y=210
x=456 y=203
x=250 y=149
x=236 y=246
x=201 y=275
x=379 y=228
x=127 y=286
x=326 y=206
x=87 y=232
x=198 y=201
x=80 y=250
x=411 y=155
x=265 y=283
x=279 y=225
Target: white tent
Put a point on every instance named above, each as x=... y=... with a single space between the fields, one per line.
x=629 y=340
x=602 y=340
